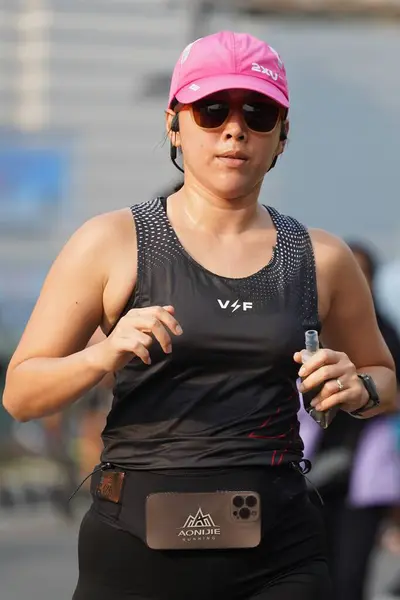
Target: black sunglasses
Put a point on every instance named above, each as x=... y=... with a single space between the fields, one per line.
x=259 y=113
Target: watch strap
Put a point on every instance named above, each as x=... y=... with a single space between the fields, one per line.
x=373 y=398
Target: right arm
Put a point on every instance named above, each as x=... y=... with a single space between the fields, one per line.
x=53 y=365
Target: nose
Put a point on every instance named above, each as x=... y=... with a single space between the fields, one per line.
x=235 y=126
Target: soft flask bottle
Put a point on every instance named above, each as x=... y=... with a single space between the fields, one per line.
x=323 y=418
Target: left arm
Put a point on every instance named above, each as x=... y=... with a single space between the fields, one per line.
x=350 y=333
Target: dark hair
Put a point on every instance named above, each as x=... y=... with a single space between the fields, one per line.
x=369 y=253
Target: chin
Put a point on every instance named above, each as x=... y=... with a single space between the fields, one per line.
x=232 y=190
x=234 y=194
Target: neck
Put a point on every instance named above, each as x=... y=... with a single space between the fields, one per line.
x=204 y=210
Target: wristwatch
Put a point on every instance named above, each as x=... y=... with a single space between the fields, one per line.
x=373 y=397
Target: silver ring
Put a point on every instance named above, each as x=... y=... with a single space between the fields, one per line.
x=340 y=385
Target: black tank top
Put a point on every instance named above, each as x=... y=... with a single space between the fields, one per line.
x=226 y=395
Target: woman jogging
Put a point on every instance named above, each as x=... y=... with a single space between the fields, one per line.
x=205 y=297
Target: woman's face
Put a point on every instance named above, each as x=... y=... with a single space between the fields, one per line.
x=231 y=159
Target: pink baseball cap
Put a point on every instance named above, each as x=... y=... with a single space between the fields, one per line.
x=228 y=60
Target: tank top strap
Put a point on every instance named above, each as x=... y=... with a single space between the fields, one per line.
x=156 y=241
x=297 y=263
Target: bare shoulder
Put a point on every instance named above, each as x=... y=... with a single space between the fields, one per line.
x=111 y=228
x=349 y=321
x=85 y=288
x=330 y=251
x=333 y=258
x=336 y=269
x=99 y=243
x=112 y=238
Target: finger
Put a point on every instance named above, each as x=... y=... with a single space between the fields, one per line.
x=318 y=360
x=169 y=309
x=147 y=322
x=139 y=346
x=322 y=375
x=333 y=387
x=162 y=336
x=144 y=338
x=322 y=405
x=297 y=357
x=163 y=315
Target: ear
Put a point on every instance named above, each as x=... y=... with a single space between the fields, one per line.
x=173 y=135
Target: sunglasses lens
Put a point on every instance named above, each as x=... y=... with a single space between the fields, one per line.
x=210 y=114
x=261 y=116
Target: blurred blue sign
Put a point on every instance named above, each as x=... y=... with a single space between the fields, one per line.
x=32 y=186
x=20 y=285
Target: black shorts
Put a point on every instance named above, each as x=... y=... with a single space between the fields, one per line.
x=116 y=564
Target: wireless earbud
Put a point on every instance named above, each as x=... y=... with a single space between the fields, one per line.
x=175 y=124
x=282 y=138
x=173 y=149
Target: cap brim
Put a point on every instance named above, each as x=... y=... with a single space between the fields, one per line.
x=210 y=85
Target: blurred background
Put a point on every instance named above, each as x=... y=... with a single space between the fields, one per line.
x=83 y=86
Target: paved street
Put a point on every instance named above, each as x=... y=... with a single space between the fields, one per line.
x=37 y=558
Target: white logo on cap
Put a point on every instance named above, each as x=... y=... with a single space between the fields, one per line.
x=186 y=52
x=278 y=58
x=194 y=87
x=260 y=69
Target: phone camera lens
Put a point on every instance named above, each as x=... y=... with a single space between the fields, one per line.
x=238 y=501
x=251 y=501
x=244 y=513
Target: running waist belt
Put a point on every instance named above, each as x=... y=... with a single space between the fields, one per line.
x=219 y=508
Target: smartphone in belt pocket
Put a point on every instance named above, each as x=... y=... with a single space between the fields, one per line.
x=210 y=520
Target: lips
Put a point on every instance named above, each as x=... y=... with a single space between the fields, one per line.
x=233 y=158
x=234 y=154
